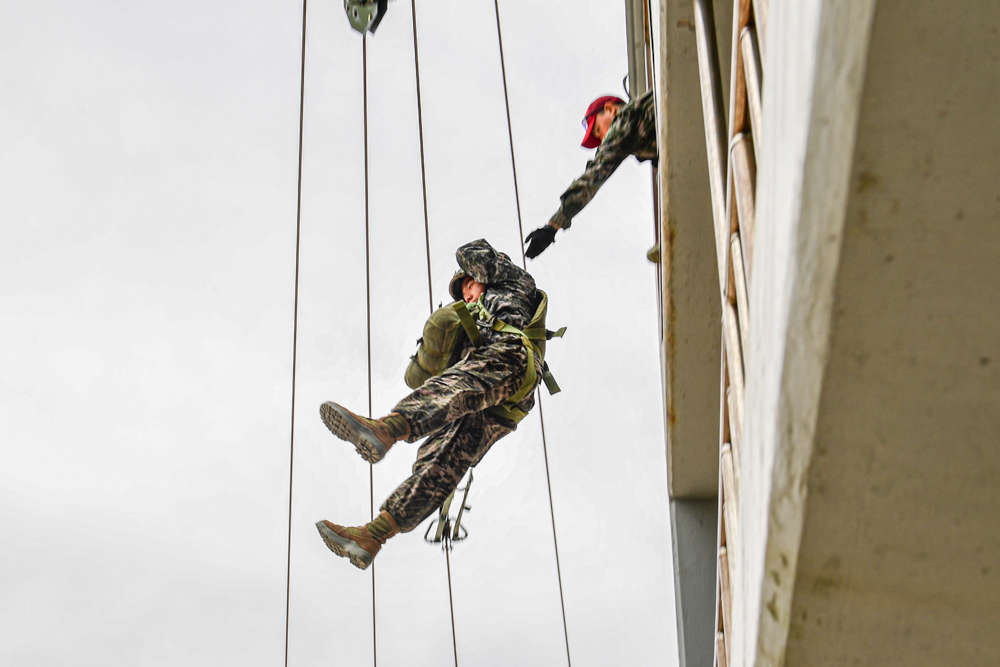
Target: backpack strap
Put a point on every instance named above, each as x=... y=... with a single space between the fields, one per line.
x=508 y=409
x=550 y=382
x=541 y=333
x=465 y=317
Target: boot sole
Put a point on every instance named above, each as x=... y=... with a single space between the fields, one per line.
x=345 y=548
x=344 y=426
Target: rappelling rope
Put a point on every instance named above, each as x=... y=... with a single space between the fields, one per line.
x=430 y=287
x=423 y=173
x=295 y=331
x=368 y=312
x=541 y=414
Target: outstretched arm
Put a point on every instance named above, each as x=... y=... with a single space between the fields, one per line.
x=611 y=153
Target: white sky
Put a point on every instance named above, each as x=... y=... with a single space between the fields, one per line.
x=148 y=160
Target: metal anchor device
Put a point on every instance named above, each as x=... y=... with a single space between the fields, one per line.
x=365 y=15
x=446 y=532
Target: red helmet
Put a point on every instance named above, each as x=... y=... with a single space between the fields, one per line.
x=589 y=140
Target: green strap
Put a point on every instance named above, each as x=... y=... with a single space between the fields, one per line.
x=531 y=375
x=508 y=409
x=465 y=317
x=541 y=333
x=514 y=414
x=550 y=382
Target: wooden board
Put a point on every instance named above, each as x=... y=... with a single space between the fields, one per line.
x=726 y=595
x=744 y=168
x=732 y=498
x=715 y=126
x=740 y=284
x=735 y=358
x=735 y=432
x=760 y=18
x=751 y=67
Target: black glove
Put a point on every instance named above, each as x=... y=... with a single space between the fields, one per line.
x=539 y=240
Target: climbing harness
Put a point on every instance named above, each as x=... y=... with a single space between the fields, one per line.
x=450 y=327
x=365 y=15
x=533 y=337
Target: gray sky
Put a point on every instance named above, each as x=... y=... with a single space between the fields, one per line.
x=148 y=189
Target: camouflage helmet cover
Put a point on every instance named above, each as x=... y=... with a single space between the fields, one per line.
x=455 y=285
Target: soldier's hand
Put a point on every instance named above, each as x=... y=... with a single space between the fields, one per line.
x=539 y=240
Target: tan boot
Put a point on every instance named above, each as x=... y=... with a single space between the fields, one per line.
x=371 y=437
x=358 y=544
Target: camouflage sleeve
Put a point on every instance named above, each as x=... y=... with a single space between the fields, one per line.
x=611 y=153
x=481 y=261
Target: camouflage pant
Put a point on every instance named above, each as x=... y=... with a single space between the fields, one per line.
x=450 y=409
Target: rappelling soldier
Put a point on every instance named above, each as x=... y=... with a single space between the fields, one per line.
x=617 y=130
x=462 y=410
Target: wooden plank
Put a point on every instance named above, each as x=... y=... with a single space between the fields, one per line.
x=720 y=650
x=735 y=357
x=751 y=65
x=725 y=422
x=737 y=113
x=729 y=513
x=744 y=169
x=742 y=10
x=760 y=18
x=732 y=218
x=732 y=499
x=719 y=625
x=726 y=596
x=742 y=298
x=736 y=433
x=715 y=127
x=723 y=527
x=737 y=78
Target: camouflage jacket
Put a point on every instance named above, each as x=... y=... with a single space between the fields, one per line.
x=632 y=132
x=510 y=290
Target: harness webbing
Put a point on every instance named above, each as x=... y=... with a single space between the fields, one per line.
x=508 y=409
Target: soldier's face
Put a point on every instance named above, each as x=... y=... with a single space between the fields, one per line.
x=603 y=120
x=471 y=289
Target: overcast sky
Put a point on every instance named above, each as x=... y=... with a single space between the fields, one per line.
x=148 y=165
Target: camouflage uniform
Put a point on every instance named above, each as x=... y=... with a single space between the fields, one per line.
x=632 y=132
x=450 y=408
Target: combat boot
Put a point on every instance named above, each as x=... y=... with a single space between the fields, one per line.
x=371 y=437
x=359 y=544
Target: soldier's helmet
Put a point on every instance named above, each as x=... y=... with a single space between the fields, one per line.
x=455 y=286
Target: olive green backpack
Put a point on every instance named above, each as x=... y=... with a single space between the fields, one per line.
x=441 y=345
x=450 y=327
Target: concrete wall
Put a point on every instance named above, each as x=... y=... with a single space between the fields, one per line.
x=899 y=562
x=871 y=472
x=813 y=75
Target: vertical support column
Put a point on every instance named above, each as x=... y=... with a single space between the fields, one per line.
x=693 y=526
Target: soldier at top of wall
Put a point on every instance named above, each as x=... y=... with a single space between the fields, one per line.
x=617 y=129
